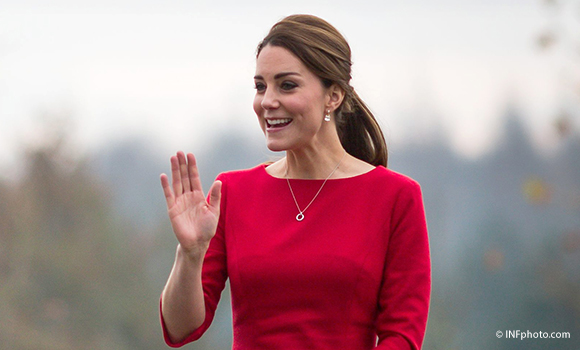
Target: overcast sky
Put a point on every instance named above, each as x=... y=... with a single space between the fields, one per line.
x=175 y=72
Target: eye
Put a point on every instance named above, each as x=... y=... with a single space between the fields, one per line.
x=260 y=87
x=288 y=85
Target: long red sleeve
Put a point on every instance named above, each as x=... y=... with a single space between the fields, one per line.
x=406 y=289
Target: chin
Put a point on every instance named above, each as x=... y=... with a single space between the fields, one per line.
x=276 y=146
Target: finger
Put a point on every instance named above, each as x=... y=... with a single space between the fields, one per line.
x=176 y=177
x=169 y=197
x=183 y=171
x=193 y=173
x=215 y=194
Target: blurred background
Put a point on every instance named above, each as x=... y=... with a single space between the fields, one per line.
x=479 y=101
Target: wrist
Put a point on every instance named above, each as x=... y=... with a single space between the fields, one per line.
x=195 y=253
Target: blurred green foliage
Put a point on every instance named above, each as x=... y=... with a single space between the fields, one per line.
x=72 y=270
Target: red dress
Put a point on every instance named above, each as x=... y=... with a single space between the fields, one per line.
x=356 y=268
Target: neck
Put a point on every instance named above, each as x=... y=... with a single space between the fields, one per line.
x=313 y=164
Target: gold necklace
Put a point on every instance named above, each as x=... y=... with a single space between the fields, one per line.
x=300 y=215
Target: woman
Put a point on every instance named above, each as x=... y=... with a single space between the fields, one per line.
x=325 y=248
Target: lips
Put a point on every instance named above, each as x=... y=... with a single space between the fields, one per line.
x=278 y=123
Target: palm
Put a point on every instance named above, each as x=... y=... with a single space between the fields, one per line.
x=193 y=219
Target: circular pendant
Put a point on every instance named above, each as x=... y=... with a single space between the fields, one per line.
x=300 y=217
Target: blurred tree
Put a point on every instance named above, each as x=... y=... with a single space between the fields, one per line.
x=559 y=38
x=72 y=275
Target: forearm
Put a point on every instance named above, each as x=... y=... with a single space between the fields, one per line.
x=183 y=304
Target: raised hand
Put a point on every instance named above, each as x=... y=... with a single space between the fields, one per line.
x=193 y=219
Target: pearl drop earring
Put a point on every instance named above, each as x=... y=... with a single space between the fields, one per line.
x=327 y=116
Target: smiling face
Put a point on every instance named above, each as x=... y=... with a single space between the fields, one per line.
x=290 y=101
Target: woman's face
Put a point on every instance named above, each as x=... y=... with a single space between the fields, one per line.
x=290 y=101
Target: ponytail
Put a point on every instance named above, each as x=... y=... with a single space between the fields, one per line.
x=359 y=131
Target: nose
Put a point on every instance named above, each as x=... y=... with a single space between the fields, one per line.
x=270 y=99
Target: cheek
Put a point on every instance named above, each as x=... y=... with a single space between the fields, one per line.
x=307 y=106
x=259 y=110
x=258 y=105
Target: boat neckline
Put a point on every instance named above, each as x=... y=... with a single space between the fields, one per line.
x=263 y=168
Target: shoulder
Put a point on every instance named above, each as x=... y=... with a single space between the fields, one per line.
x=242 y=175
x=392 y=178
x=394 y=187
x=386 y=187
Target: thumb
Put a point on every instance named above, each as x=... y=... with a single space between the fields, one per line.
x=215 y=194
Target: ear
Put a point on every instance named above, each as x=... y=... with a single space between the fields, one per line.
x=335 y=95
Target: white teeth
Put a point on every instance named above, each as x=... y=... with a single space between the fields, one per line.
x=278 y=121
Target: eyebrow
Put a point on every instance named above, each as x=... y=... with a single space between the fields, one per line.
x=278 y=76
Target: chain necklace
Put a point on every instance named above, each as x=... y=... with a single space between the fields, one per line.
x=300 y=215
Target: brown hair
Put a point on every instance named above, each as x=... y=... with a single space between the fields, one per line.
x=327 y=54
